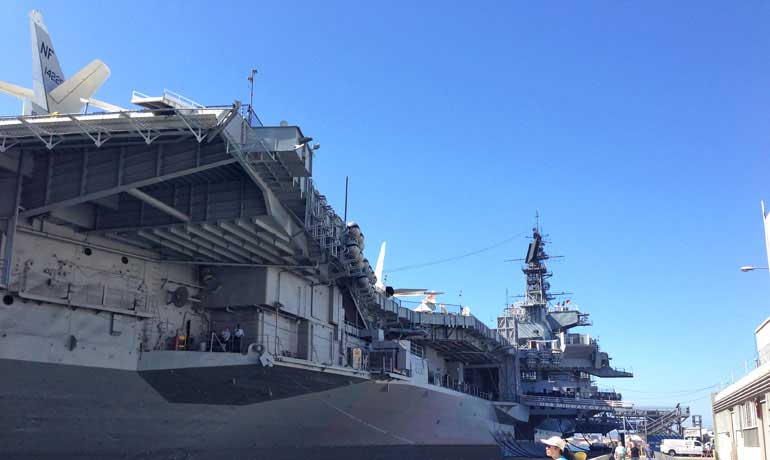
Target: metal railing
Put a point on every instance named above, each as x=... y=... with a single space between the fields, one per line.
x=763 y=355
x=664 y=423
x=277 y=348
x=555 y=401
x=137 y=94
x=171 y=96
x=178 y=98
x=134 y=114
x=384 y=362
x=248 y=113
x=611 y=399
x=324 y=225
x=220 y=345
x=580 y=339
x=352 y=329
x=468 y=389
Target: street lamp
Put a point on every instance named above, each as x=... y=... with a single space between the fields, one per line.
x=748 y=268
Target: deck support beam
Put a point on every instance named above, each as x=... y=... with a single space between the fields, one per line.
x=156 y=203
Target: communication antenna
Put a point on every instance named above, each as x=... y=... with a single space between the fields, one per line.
x=251 y=94
x=345 y=219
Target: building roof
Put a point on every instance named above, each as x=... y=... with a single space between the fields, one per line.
x=754 y=383
x=762 y=325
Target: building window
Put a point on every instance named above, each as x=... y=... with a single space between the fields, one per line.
x=751 y=437
x=749 y=415
x=529 y=375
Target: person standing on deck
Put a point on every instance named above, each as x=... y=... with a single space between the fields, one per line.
x=226 y=339
x=237 y=338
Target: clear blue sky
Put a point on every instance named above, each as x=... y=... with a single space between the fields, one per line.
x=639 y=130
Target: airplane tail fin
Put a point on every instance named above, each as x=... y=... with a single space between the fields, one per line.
x=378 y=269
x=46 y=70
x=51 y=90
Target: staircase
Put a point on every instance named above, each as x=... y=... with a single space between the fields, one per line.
x=663 y=424
x=281 y=158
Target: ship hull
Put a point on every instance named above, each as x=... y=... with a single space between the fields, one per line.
x=237 y=411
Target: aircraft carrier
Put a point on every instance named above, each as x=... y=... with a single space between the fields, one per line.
x=124 y=260
x=132 y=239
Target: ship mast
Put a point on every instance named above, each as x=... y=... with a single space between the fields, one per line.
x=537 y=295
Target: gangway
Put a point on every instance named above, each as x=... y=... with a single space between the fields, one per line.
x=169 y=100
x=653 y=421
x=663 y=424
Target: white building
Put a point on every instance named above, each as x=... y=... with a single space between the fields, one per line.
x=741 y=417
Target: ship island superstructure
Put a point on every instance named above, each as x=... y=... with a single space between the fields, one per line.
x=555 y=366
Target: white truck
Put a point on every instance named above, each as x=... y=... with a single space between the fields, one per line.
x=681 y=447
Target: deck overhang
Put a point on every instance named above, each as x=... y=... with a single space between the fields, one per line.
x=197 y=185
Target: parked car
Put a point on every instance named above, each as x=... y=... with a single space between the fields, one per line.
x=681 y=447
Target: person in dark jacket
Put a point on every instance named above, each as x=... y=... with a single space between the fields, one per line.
x=237 y=336
x=634 y=452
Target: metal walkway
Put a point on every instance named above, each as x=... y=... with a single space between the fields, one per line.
x=652 y=421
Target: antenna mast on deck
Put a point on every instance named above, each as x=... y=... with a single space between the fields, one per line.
x=251 y=93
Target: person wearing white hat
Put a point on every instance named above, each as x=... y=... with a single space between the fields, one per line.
x=554 y=447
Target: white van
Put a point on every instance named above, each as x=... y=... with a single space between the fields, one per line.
x=681 y=447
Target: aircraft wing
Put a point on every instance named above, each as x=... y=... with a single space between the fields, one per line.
x=16 y=91
x=414 y=292
x=103 y=105
x=409 y=292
